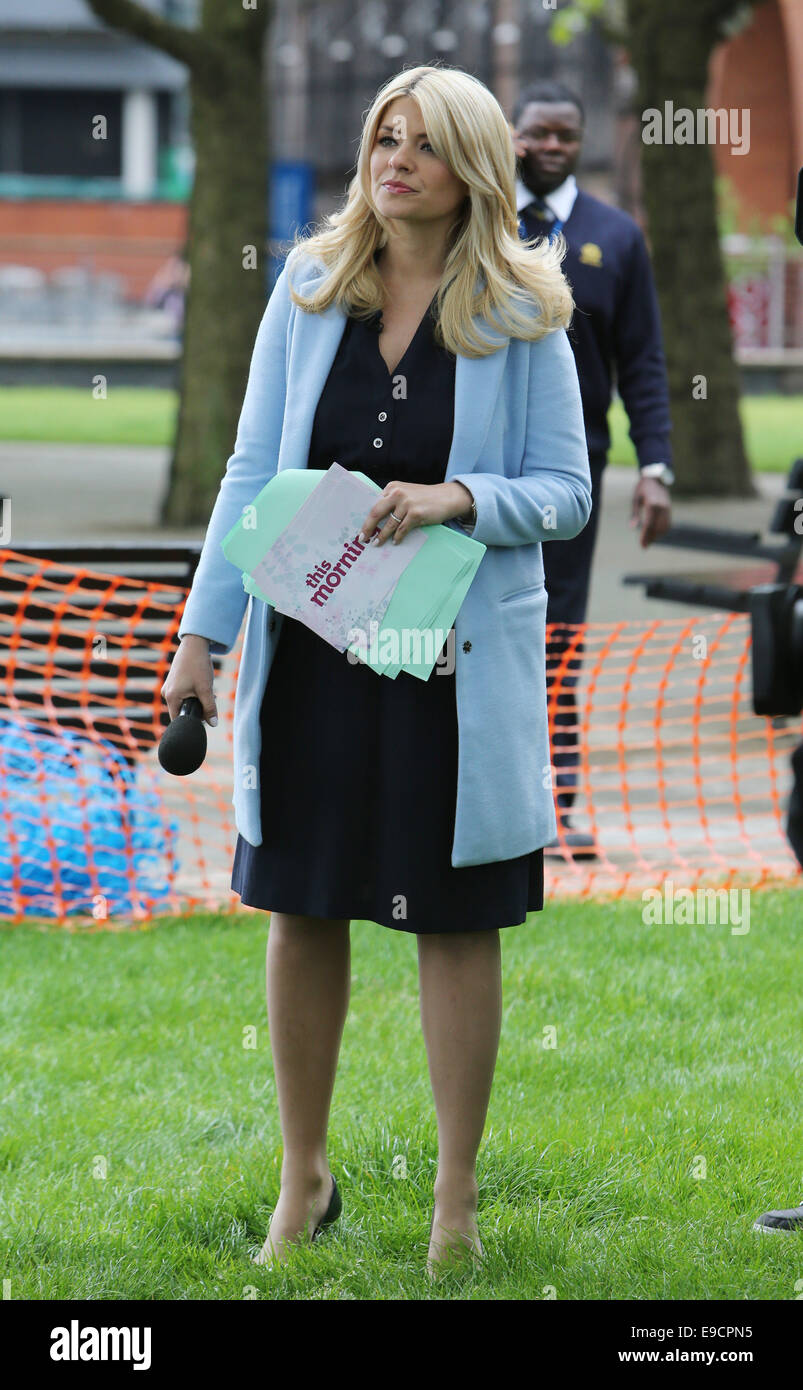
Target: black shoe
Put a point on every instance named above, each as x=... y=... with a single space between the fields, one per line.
x=574 y=842
x=790 y=1219
x=332 y=1211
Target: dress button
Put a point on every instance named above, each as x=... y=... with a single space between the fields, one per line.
x=466 y=646
x=377 y=443
x=383 y=415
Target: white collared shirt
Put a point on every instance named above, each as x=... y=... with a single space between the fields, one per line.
x=560 y=200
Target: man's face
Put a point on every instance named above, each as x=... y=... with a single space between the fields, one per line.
x=547 y=142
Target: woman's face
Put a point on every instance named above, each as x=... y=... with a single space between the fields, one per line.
x=408 y=180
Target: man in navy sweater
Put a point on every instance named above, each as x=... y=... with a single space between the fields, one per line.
x=616 y=328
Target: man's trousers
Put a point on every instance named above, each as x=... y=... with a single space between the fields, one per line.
x=567 y=573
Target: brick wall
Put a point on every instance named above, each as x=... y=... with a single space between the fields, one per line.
x=758 y=69
x=131 y=239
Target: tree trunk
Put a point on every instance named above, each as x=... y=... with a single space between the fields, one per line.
x=228 y=288
x=228 y=225
x=669 y=47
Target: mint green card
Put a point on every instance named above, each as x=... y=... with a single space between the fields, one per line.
x=427 y=596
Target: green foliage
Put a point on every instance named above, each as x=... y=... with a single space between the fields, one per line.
x=729 y=223
x=574 y=19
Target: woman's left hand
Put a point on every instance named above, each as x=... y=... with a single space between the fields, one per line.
x=416 y=504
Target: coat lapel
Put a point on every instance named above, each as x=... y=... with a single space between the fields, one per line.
x=316 y=338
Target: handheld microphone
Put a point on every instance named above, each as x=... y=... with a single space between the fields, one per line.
x=182 y=747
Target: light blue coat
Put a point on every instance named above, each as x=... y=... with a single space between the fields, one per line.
x=519 y=446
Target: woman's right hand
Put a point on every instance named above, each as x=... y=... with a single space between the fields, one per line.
x=191 y=673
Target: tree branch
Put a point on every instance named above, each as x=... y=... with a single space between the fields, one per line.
x=186 y=45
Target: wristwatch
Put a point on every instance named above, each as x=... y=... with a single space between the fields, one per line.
x=661 y=471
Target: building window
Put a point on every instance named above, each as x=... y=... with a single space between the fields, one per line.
x=51 y=133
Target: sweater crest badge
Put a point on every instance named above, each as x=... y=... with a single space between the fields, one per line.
x=591 y=254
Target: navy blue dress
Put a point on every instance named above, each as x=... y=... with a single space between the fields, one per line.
x=358 y=808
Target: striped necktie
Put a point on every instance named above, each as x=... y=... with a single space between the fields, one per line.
x=541 y=209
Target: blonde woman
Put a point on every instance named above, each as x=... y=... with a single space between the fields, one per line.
x=416 y=338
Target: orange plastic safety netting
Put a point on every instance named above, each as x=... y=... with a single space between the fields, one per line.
x=674 y=775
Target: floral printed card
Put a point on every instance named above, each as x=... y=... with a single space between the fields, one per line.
x=319 y=571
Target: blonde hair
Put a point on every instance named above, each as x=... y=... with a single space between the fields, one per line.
x=517 y=286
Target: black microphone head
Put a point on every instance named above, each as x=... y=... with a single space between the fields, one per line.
x=182 y=747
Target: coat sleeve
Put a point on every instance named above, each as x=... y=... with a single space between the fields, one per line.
x=551 y=500
x=641 y=377
x=217 y=599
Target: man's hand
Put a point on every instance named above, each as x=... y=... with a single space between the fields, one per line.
x=416 y=504
x=651 y=509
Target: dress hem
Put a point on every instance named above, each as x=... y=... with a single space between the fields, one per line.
x=421 y=930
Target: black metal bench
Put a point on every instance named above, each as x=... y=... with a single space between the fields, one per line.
x=731 y=588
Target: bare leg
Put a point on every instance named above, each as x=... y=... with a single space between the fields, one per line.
x=308 y=977
x=461 y=1014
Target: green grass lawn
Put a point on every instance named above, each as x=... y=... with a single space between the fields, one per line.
x=133 y=415
x=772 y=425
x=140 y=1147
x=69 y=415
